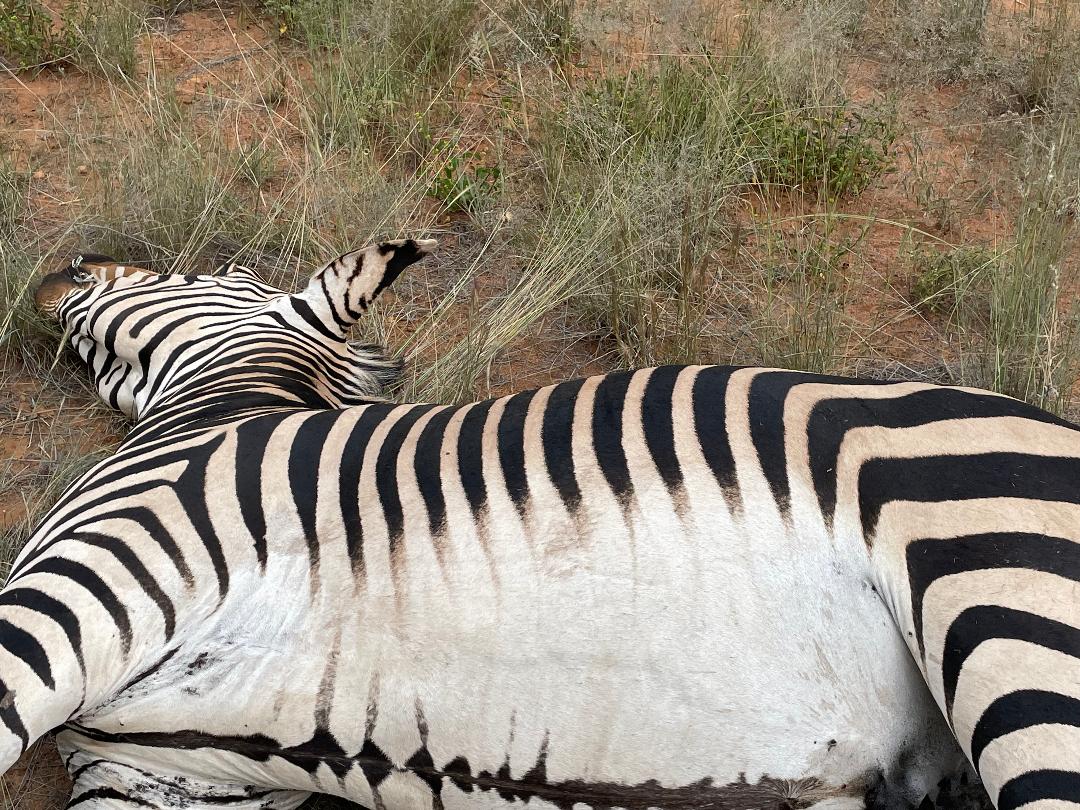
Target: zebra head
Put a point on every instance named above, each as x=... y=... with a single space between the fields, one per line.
x=226 y=339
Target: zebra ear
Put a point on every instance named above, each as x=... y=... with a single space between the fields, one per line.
x=345 y=287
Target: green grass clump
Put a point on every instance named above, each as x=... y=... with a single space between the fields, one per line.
x=167 y=190
x=836 y=151
x=1022 y=334
x=26 y=34
x=100 y=36
x=645 y=165
x=663 y=158
x=803 y=290
x=374 y=66
x=12 y=198
x=95 y=35
x=942 y=277
x=462 y=180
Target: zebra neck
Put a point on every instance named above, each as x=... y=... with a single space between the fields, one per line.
x=202 y=406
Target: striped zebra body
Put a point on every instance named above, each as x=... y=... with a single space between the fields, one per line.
x=676 y=587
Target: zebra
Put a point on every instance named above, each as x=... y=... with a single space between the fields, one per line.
x=676 y=587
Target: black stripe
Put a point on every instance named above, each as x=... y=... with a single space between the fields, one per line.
x=358 y=268
x=427 y=466
x=404 y=255
x=191 y=488
x=305 y=453
x=117 y=495
x=27 y=649
x=127 y=558
x=386 y=482
x=930 y=559
x=9 y=716
x=75 y=774
x=304 y=310
x=710 y=426
x=354 y=316
x=511 y=437
x=831 y=419
x=470 y=449
x=607 y=433
x=167 y=361
x=352 y=462
x=107 y=793
x=150 y=523
x=934 y=479
x=986 y=622
x=1036 y=785
x=45 y=605
x=1020 y=710
x=557 y=436
x=81 y=575
x=143 y=460
x=146 y=673
x=766 y=400
x=657 y=422
x=252 y=439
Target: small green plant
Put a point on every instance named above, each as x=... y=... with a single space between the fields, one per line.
x=96 y=35
x=12 y=198
x=314 y=22
x=943 y=277
x=26 y=34
x=101 y=34
x=837 y=150
x=801 y=322
x=1021 y=336
x=255 y=162
x=462 y=184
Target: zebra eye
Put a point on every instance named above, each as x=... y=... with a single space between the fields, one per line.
x=81 y=277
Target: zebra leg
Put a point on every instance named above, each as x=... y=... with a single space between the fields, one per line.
x=103 y=784
x=995 y=629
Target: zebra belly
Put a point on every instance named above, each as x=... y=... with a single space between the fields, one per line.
x=669 y=656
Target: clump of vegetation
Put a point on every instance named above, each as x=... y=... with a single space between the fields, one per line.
x=942 y=277
x=12 y=197
x=376 y=65
x=662 y=158
x=1022 y=337
x=100 y=36
x=95 y=35
x=170 y=191
x=837 y=151
x=26 y=33
x=1050 y=77
x=463 y=182
x=803 y=292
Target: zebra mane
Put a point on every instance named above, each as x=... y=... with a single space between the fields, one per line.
x=376 y=365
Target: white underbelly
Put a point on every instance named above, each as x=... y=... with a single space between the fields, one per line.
x=661 y=648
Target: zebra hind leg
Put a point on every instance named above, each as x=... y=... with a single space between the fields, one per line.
x=101 y=784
